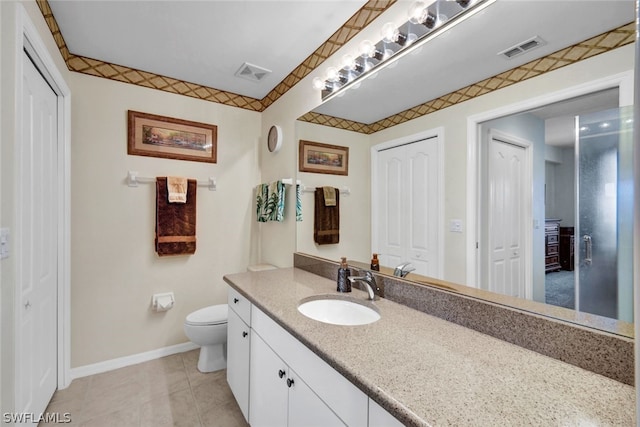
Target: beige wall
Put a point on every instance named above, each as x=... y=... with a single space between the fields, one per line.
x=355 y=208
x=114 y=269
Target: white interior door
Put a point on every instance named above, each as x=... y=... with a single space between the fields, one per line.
x=506 y=168
x=389 y=207
x=408 y=205
x=36 y=360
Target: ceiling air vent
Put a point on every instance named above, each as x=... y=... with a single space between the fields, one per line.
x=522 y=47
x=252 y=72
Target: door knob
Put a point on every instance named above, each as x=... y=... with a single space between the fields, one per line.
x=281 y=373
x=244 y=334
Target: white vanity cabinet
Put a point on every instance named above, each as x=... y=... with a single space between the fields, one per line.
x=291 y=386
x=238 y=349
x=279 y=397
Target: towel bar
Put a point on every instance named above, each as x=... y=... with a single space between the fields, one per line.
x=133 y=179
x=343 y=190
x=289 y=181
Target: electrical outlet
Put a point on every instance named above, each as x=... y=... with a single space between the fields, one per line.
x=455 y=226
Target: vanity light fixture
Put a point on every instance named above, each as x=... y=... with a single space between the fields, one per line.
x=425 y=22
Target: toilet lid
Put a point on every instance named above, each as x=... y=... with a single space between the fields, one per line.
x=212 y=315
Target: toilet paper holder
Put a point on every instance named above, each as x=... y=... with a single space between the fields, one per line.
x=163 y=301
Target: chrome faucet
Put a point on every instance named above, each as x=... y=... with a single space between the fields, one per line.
x=370 y=281
x=403 y=269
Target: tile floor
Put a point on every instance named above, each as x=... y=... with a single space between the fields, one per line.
x=163 y=392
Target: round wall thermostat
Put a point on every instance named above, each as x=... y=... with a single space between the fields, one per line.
x=274 y=139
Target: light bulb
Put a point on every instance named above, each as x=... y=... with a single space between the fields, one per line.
x=318 y=83
x=332 y=74
x=389 y=32
x=416 y=12
x=348 y=62
x=367 y=48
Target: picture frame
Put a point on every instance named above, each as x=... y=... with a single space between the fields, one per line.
x=171 y=138
x=323 y=158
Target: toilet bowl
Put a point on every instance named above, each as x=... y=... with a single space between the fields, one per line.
x=207 y=328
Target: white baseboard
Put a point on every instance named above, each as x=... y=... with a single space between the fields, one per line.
x=121 y=362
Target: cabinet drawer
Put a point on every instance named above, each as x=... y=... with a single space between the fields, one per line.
x=553 y=249
x=552 y=238
x=551 y=228
x=555 y=259
x=240 y=305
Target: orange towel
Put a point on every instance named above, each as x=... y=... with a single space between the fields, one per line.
x=177 y=189
x=175 y=222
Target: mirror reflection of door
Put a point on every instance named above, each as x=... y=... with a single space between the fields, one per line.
x=506 y=207
x=406 y=205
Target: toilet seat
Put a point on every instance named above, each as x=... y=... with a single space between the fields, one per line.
x=212 y=315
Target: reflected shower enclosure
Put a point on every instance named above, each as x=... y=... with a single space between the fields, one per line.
x=604 y=215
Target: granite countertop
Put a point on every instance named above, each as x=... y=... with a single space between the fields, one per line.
x=427 y=371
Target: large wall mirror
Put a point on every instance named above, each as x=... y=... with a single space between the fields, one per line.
x=513 y=189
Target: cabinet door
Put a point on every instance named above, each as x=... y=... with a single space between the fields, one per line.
x=378 y=417
x=268 y=391
x=305 y=407
x=238 y=346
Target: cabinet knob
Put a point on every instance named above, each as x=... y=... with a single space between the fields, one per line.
x=244 y=334
x=235 y=300
x=281 y=373
x=289 y=382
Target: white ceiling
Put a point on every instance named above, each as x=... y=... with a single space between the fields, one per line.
x=203 y=42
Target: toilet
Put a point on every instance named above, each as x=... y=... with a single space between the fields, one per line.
x=207 y=328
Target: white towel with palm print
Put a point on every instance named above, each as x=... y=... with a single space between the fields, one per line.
x=298 y=202
x=270 y=201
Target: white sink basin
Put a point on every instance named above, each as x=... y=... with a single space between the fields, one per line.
x=338 y=311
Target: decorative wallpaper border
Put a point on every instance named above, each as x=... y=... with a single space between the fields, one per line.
x=605 y=42
x=363 y=17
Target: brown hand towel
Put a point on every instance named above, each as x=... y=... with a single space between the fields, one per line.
x=326 y=221
x=175 y=222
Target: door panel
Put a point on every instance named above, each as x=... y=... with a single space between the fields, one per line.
x=408 y=206
x=506 y=208
x=238 y=350
x=268 y=393
x=306 y=409
x=37 y=249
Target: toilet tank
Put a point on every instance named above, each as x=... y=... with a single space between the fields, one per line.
x=261 y=267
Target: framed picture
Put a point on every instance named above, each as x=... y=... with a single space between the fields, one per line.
x=158 y=136
x=323 y=158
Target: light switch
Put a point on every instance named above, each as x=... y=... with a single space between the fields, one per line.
x=455 y=226
x=4 y=243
